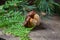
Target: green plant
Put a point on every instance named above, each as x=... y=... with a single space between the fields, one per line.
x=11 y=18
x=57 y=10
x=18 y=5
x=13 y=24
x=46 y=5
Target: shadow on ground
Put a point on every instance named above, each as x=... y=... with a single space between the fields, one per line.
x=42 y=26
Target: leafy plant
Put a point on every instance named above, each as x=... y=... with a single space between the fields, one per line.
x=13 y=24
x=57 y=10
x=46 y=5
x=18 y=5
x=12 y=20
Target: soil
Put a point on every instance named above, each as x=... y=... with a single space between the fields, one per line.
x=48 y=30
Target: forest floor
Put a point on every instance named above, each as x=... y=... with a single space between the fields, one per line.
x=51 y=31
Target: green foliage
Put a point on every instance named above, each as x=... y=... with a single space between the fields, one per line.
x=25 y=38
x=11 y=18
x=14 y=25
x=46 y=5
x=18 y=5
x=57 y=10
